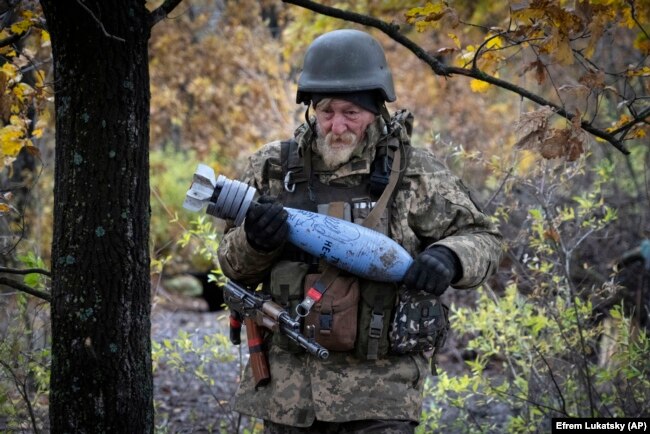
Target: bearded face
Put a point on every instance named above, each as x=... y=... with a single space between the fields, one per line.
x=336 y=149
x=341 y=126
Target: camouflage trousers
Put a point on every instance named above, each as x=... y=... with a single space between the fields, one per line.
x=372 y=426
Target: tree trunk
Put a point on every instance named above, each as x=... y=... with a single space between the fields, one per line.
x=101 y=379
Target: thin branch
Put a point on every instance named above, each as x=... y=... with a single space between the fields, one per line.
x=21 y=386
x=101 y=25
x=25 y=271
x=162 y=11
x=439 y=68
x=498 y=190
x=637 y=119
x=10 y=40
x=553 y=379
x=541 y=101
x=24 y=288
x=391 y=30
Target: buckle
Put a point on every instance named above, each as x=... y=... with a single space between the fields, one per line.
x=325 y=323
x=288 y=183
x=376 y=325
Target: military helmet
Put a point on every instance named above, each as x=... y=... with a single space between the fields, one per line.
x=345 y=61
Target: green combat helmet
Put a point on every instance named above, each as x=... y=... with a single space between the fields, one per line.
x=345 y=61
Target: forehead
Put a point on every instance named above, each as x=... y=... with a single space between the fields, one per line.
x=341 y=104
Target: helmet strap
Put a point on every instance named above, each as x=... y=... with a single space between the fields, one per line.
x=308 y=121
x=383 y=111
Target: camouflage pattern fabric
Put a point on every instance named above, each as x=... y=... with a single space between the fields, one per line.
x=339 y=389
x=420 y=324
x=431 y=207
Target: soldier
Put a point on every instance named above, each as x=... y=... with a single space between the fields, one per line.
x=339 y=162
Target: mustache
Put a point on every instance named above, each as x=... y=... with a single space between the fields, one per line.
x=348 y=137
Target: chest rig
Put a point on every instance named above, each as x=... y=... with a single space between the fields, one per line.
x=302 y=189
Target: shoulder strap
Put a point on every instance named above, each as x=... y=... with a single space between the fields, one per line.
x=398 y=136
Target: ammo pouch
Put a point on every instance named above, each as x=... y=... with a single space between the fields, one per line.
x=286 y=282
x=420 y=325
x=333 y=319
x=375 y=309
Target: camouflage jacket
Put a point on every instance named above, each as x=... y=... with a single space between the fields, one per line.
x=431 y=207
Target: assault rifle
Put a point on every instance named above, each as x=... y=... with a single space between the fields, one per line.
x=259 y=311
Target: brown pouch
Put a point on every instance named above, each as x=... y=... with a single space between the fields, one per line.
x=334 y=317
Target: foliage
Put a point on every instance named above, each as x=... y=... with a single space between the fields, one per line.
x=498 y=44
x=545 y=346
x=232 y=94
x=186 y=355
x=203 y=238
x=538 y=361
x=24 y=358
x=171 y=175
x=24 y=57
x=557 y=44
x=222 y=83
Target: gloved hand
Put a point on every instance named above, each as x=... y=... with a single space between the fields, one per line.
x=433 y=271
x=266 y=224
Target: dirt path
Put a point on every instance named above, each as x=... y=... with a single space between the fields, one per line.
x=192 y=393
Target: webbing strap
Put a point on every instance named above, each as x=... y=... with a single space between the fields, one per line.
x=375 y=213
x=376 y=327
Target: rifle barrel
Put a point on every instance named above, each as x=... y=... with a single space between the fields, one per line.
x=274 y=313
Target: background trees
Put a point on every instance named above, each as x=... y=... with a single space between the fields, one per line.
x=541 y=106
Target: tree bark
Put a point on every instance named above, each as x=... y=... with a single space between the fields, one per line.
x=101 y=380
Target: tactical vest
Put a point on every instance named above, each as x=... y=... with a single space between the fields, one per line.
x=303 y=190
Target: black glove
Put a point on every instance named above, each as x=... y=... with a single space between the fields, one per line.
x=433 y=271
x=266 y=224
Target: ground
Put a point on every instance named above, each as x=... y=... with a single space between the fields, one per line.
x=192 y=394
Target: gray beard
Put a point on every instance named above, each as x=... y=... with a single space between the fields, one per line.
x=334 y=158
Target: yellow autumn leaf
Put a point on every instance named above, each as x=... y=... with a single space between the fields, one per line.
x=639 y=72
x=22 y=91
x=479 y=86
x=494 y=42
x=642 y=43
x=466 y=56
x=559 y=47
x=45 y=38
x=628 y=18
x=10 y=70
x=38 y=133
x=527 y=161
x=17 y=121
x=526 y=15
x=7 y=52
x=21 y=27
x=39 y=78
x=4 y=208
x=11 y=140
x=454 y=38
x=624 y=119
x=430 y=9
